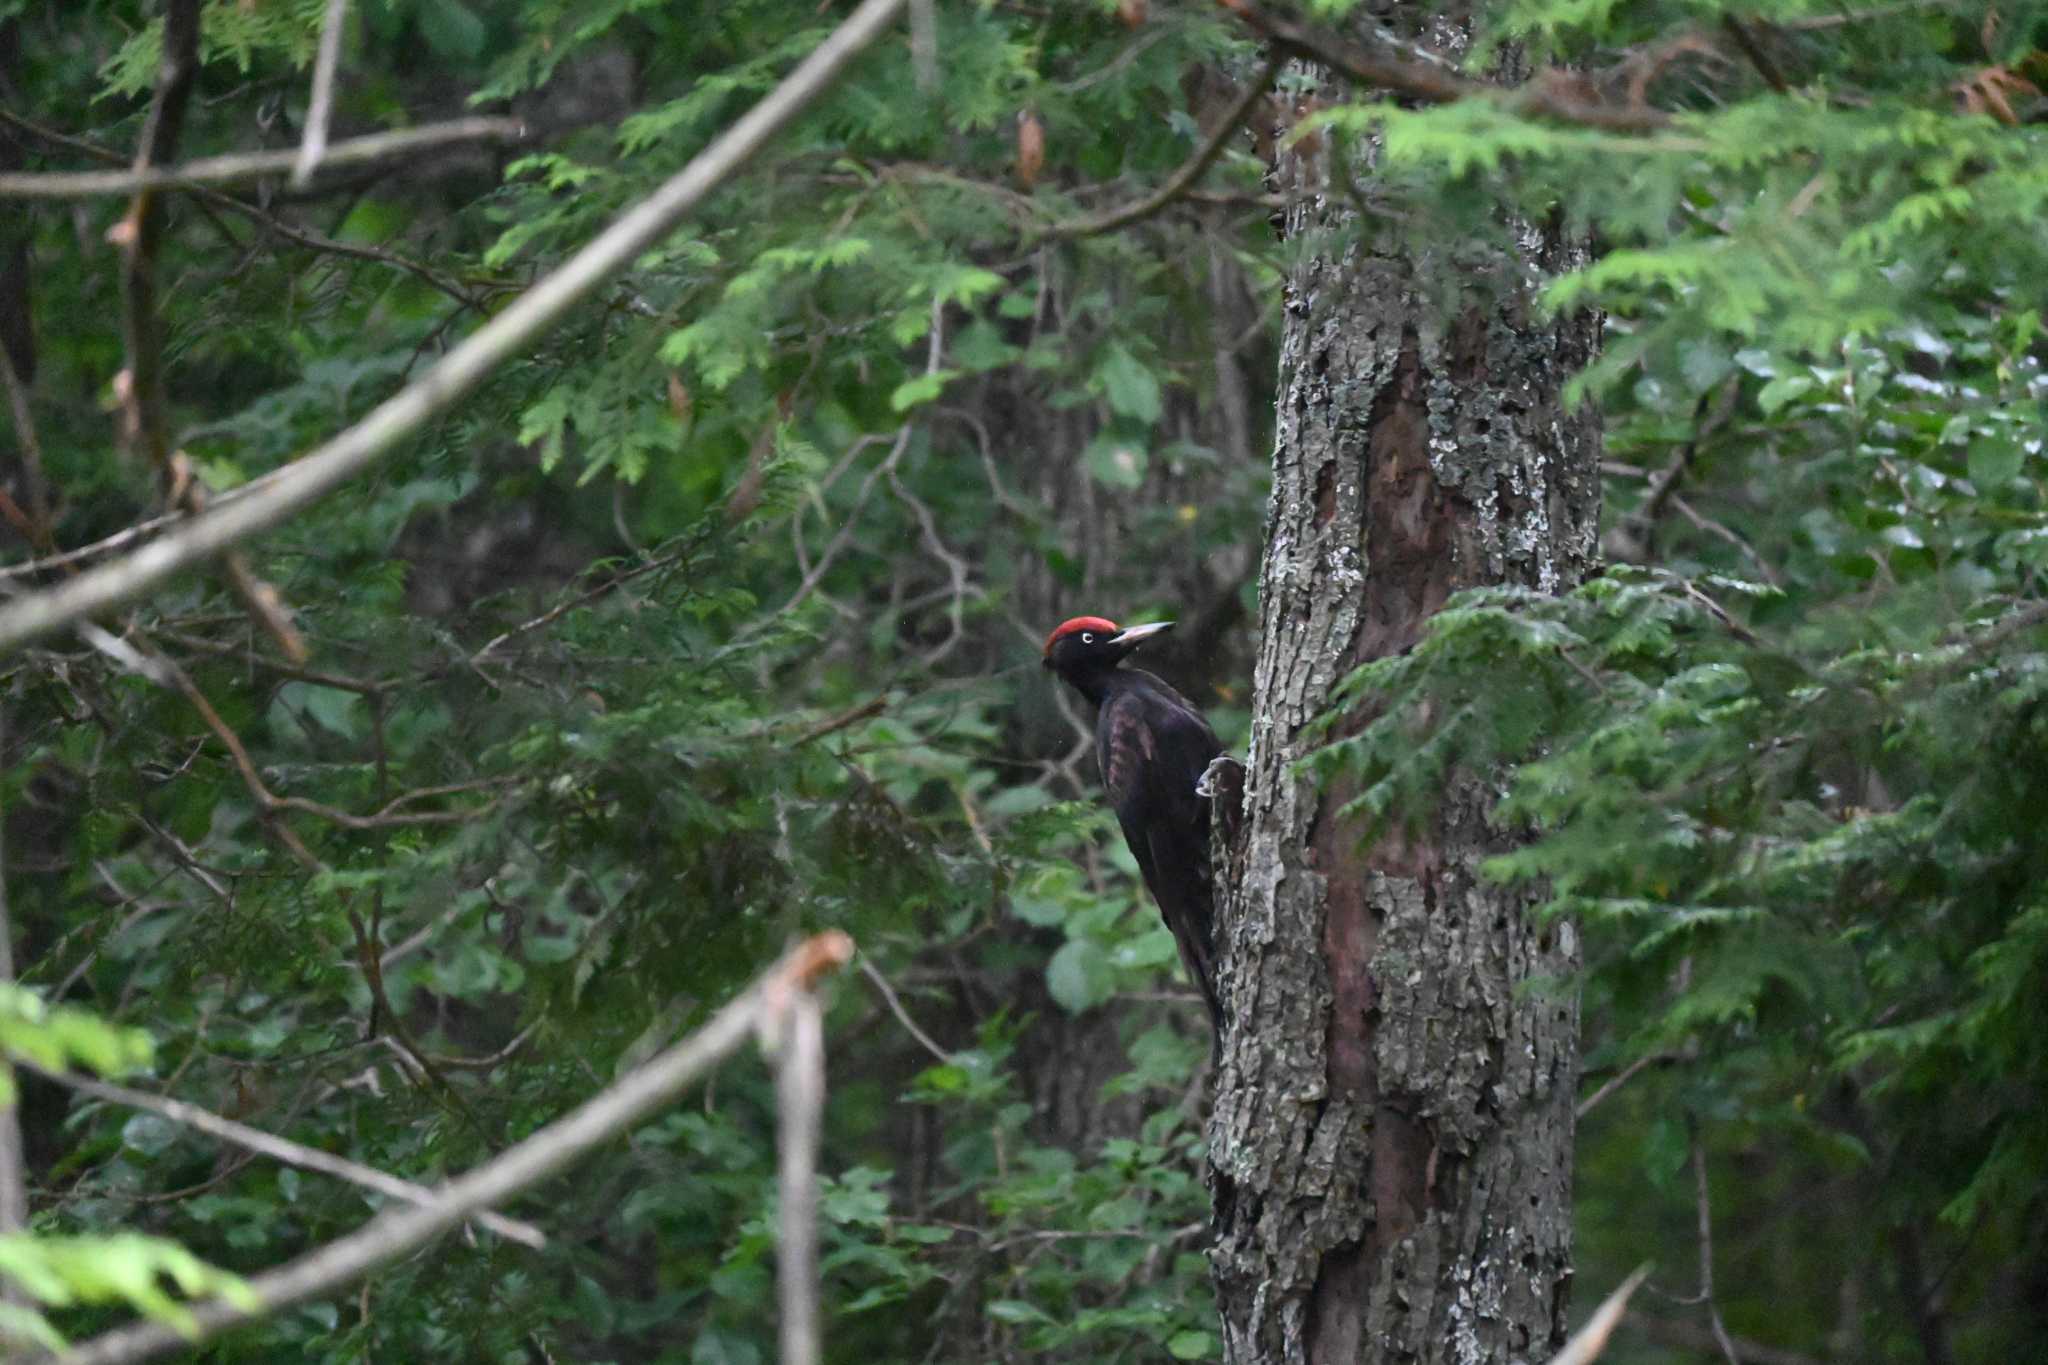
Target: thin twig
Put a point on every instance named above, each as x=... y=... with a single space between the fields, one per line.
x=282 y=1149
x=834 y=724
x=463 y=368
x=896 y=1008
x=816 y=572
x=490 y=1061
x=1592 y=1101
x=42 y=534
x=2013 y=624
x=321 y=106
x=1706 y=1225
x=160 y=667
x=242 y=166
x=1715 y=528
x=1189 y=172
x=291 y=232
x=935 y=352
x=1634 y=539
x=569 y=604
x=393 y=1234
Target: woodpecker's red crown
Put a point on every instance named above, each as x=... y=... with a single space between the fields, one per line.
x=1100 y=624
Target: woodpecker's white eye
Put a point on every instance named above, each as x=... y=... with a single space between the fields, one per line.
x=1087 y=637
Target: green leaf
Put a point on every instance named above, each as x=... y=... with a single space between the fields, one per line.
x=340 y=711
x=452 y=29
x=1993 y=463
x=716 y=1347
x=1079 y=976
x=1782 y=390
x=1132 y=389
x=1704 y=363
x=1018 y=1311
x=916 y=392
x=1192 y=1345
x=1116 y=462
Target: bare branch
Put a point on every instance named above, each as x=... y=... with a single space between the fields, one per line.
x=800 y=1098
x=13 y=1188
x=395 y=1233
x=241 y=166
x=463 y=368
x=321 y=107
x=13 y=1155
x=282 y=1149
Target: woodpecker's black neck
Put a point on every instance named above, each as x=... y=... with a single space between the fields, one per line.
x=1098 y=685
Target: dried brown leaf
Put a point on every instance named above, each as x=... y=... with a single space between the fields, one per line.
x=1030 y=149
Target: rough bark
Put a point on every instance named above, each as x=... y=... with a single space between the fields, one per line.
x=1391 y=1144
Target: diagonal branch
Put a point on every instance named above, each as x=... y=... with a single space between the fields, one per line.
x=1592 y=1101
x=599 y=1120
x=1192 y=170
x=321 y=107
x=281 y=1149
x=40 y=529
x=241 y=166
x=1382 y=64
x=1635 y=538
x=140 y=386
x=567 y=605
x=462 y=369
x=874 y=974
x=1590 y=1340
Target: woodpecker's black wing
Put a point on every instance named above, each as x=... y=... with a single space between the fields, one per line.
x=1153 y=746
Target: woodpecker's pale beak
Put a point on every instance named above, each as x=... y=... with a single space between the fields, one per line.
x=1133 y=636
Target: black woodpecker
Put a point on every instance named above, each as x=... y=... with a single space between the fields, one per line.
x=1153 y=747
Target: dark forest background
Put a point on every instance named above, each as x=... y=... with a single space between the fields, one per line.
x=714 y=619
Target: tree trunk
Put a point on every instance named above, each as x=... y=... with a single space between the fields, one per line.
x=1391 y=1144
